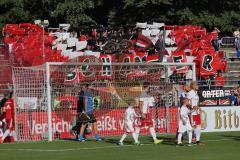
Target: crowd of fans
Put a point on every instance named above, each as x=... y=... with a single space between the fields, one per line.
x=105 y=40
x=236 y=35
x=234 y=98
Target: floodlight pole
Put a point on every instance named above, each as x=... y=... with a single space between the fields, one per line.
x=44 y=24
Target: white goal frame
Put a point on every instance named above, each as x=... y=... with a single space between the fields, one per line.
x=48 y=89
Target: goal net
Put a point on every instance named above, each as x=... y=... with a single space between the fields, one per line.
x=48 y=97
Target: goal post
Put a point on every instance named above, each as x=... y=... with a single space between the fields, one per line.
x=47 y=97
x=49 y=107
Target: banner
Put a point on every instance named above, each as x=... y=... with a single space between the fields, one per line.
x=215 y=94
x=27 y=102
x=214 y=97
x=220 y=119
x=110 y=122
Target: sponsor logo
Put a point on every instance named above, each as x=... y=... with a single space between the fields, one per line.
x=209 y=94
x=58 y=126
x=226 y=119
x=203 y=115
x=207 y=62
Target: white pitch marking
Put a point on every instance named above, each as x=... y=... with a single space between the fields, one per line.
x=70 y=149
x=92 y=148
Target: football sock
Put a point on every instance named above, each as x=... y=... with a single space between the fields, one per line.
x=80 y=137
x=153 y=133
x=198 y=132
x=189 y=137
x=179 y=137
x=123 y=137
x=137 y=132
x=134 y=137
x=97 y=137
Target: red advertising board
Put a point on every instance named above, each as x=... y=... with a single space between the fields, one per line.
x=110 y=122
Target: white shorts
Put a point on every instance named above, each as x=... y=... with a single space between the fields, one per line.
x=183 y=128
x=129 y=127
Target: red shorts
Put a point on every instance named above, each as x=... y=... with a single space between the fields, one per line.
x=196 y=119
x=10 y=124
x=147 y=121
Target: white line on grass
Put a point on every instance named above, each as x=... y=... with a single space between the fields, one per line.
x=90 y=148
x=69 y=149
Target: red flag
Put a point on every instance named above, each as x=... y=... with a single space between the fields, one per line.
x=179 y=57
x=143 y=41
x=208 y=62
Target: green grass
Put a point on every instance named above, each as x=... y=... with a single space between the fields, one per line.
x=218 y=146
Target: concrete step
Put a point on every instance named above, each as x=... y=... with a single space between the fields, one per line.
x=233 y=62
x=233 y=79
x=229 y=76
x=234 y=59
x=5 y=64
x=234 y=71
x=231 y=54
x=5 y=81
x=5 y=76
x=228 y=49
x=3 y=58
x=5 y=68
x=231 y=86
x=232 y=74
x=234 y=68
x=234 y=65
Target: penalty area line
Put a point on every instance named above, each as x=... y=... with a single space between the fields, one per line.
x=90 y=148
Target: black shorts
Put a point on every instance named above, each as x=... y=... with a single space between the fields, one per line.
x=92 y=118
x=86 y=118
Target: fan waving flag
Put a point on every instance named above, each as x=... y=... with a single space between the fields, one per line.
x=179 y=57
x=208 y=62
x=143 y=41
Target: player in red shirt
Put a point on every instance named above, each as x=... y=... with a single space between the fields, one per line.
x=9 y=112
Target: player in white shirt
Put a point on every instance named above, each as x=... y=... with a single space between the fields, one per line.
x=183 y=94
x=145 y=102
x=184 y=122
x=196 y=118
x=130 y=116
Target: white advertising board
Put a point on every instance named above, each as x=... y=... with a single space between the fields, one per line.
x=27 y=102
x=220 y=119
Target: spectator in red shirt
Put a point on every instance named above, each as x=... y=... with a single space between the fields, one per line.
x=82 y=37
x=219 y=80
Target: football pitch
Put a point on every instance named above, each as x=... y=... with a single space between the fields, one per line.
x=218 y=146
